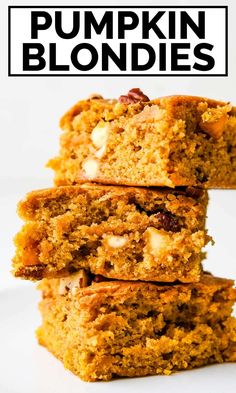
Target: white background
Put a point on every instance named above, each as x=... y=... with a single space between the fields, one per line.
x=30 y=109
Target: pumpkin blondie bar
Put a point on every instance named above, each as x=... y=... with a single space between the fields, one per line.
x=119 y=232
x=170 y=141
x=118 y=328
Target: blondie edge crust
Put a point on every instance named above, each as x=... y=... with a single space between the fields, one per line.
x=119 y=232
x=116 y=328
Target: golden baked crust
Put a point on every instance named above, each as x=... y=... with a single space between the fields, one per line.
x=117 y=328
x=119 y=232
x=169 y=141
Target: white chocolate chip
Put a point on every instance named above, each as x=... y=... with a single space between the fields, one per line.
x=100 y=153
x=116 y=241
x=156 y=240
x=99 y=135
x=73 y=283
x=90 y=168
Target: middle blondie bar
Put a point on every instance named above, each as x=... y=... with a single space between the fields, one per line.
x=119 y=232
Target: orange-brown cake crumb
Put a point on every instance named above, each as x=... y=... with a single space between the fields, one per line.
x=170 y=141
x=116 y=328
x=119 y=232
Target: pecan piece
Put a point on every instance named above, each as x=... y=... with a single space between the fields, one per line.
x=73 y=282
x=133 y=96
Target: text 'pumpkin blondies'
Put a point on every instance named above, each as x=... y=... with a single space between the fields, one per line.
x=119 y=328
x=170 y=141
x=119 y=232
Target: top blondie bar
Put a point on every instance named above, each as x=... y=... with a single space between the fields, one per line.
x=169 y=141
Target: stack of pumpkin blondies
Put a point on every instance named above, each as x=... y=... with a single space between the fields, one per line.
x=118 y=243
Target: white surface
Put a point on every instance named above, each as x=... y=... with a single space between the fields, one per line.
x=26 y=367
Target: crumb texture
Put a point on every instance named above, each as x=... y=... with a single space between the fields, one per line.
x=112 y=329
x=119 y=232
x=171 y=141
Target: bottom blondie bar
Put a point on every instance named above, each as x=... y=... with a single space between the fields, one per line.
x=101 y=330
